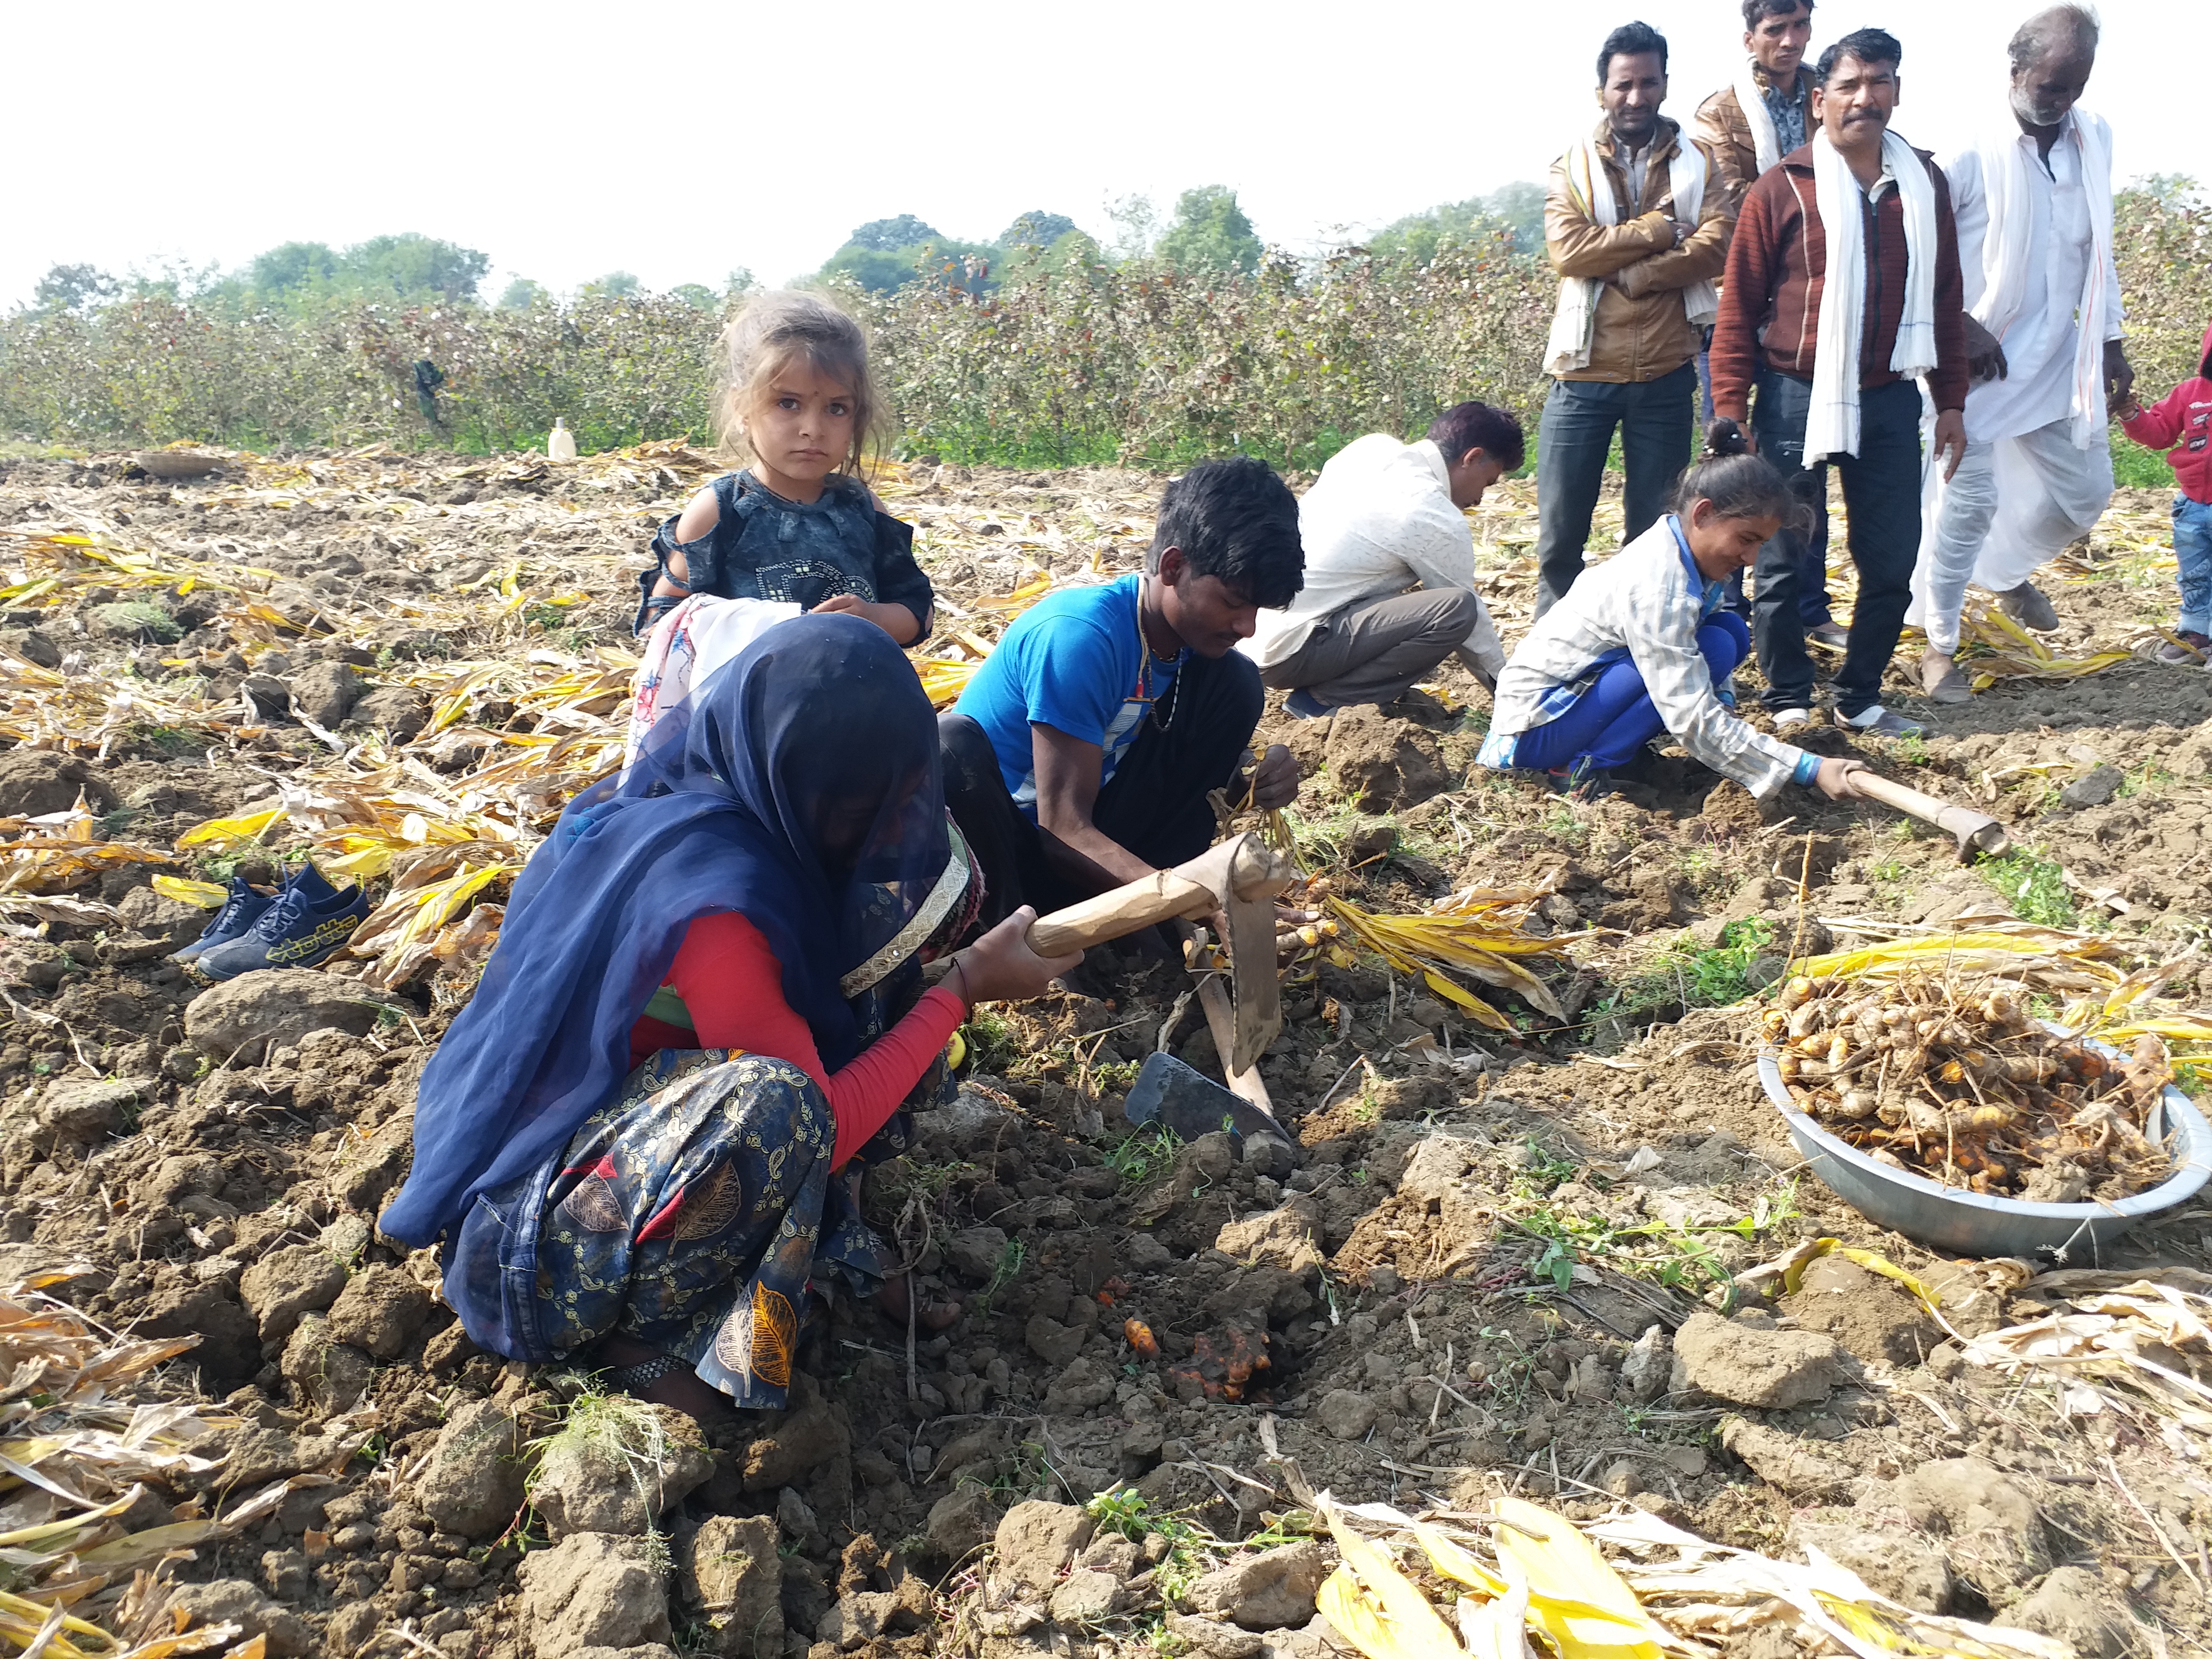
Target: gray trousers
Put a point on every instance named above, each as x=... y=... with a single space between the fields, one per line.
x=1374 y=652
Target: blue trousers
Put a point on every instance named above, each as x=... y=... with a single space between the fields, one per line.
x=2192 y=549
x=1580 y=416
x=1615 y=717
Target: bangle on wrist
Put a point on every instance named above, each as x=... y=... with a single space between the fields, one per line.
x=959 y=967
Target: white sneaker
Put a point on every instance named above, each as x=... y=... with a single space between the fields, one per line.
x=1792 y=719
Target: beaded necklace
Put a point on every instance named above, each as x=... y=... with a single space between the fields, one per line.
x=1145 y=658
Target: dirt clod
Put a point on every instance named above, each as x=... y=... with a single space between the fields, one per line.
x=734 y=1583
x=473 y=1485
x=590 y=1591
x=1037 y=1539
x=239 y=1021
x=1732 y=1360
x=297 y=1279
x=1875 y=1319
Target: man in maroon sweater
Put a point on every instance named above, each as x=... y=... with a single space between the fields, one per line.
x=1773 y=310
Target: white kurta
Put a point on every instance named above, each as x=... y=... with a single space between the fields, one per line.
x=1378 y=521
x=2039 y=344
x=2025 y=489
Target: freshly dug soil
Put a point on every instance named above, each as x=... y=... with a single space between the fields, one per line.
x=1499 y=1263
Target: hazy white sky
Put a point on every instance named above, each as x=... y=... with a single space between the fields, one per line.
x=680 y=140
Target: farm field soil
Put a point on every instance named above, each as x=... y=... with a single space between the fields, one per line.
x=1467 y=1283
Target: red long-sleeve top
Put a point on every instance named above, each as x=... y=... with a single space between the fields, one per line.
x=732 y=987
x=1777 y=267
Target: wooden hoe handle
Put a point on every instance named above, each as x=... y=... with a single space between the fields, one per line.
x=1244 y=865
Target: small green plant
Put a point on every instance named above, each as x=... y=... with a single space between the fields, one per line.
x=1561 y=824
x=1007 y=1269
x=991 y=1044
x=2034 y=886
x=611 y=1428
x=1690 y=975
x=1130 y=1513
x=1145 y=1155
x=1910 y=751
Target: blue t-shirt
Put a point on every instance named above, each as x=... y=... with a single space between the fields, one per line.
x=1075 y=661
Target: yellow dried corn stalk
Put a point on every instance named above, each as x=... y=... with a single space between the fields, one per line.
x=1477 y=931
x=1666 y=1591
x=2003 y=649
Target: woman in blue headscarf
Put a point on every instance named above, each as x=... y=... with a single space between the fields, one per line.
x=705 y=1000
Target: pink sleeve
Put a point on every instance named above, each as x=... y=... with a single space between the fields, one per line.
x=867 y=1091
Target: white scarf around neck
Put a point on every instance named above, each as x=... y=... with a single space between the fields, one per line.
x=1574 y=322
x=2006 y=157
x=1832 y=425
x=1765 y=143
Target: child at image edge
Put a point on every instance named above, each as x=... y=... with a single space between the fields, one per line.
x=2181 y=423
x=796 y=530
x=1640 y=645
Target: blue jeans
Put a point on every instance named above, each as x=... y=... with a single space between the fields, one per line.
x=1881 y=488
x=1615 y=717
x=2193 y=547
x=1654 y=417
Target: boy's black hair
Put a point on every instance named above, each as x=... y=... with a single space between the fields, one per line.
x=1236 y=520
x=1495 y=431
x=1631 y=39
x=1756 y=12
x=1867 y=46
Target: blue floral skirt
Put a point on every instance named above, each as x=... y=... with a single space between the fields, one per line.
x=693 y=1213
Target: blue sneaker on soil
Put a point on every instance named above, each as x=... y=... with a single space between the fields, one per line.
x=240 y=911
x=1306 y=706
x=308 y=923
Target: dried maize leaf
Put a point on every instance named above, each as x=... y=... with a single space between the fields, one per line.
x=1482 y=1011
x=1575 y=1597
x=207 y=894
x=244 y=829
x=1383 y=1611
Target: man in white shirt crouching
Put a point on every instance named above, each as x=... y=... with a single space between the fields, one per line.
x=1389 y=577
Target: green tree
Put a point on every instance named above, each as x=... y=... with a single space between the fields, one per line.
x=1040 y=228
x=1211 y=232
x=879 y=270
x=695 y=294
x=615 y=285
x=412 y=266
x=740 y=280
x=888 y=235
x=520 y=294
x=293 y=268
x=72 y=288
x=1516 y=209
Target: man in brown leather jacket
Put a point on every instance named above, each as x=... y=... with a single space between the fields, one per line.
x=1636 y=219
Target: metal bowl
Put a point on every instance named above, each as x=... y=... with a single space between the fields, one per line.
x=1976 y=1224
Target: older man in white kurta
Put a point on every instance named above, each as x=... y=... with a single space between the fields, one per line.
x=2033 y=200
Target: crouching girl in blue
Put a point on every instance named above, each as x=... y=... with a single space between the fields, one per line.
x=1640 y=645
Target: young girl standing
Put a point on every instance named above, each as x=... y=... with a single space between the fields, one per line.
x=1640 y=645
x=796 y=529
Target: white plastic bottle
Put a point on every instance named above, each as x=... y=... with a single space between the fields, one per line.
x=560 y=443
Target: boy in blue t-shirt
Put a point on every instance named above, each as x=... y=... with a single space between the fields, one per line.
x=1081 y=754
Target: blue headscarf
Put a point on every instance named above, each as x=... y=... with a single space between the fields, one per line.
x=799 y=787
